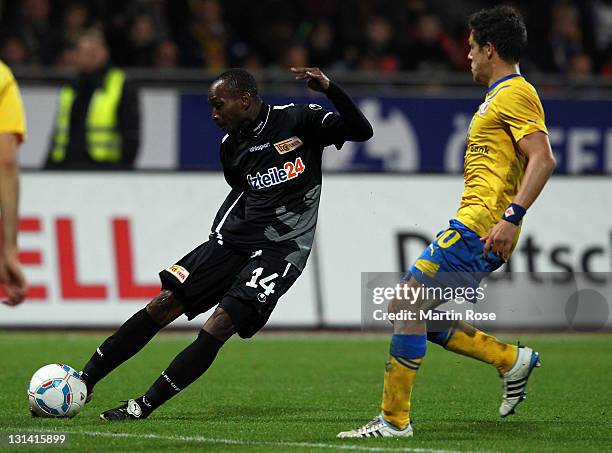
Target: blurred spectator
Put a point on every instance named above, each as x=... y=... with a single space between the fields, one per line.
x=407 y=13
x=252 y=63
x=158 y=11
x=74 y=23
x=13 y=51
x=323 y=51
x=277 y=35
x=349 y=26
x=602 y=18
x=296 y=56
x=379 y=52
x=430 y=49
x=141 y=45
x=207 y=39
x=97 y=124
x=566 y=36
x=134 y=28
x=266 y=27
x=67 y=58
x=166 y=55
x=376 y=35
x=39 y=35
x=580 y=67
x=606 y=67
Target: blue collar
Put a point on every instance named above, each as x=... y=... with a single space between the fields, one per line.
x=503 y=79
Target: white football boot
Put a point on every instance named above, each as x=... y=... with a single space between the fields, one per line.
x=378 y=427
x=514 y=381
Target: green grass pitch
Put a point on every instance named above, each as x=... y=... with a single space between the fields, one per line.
x=294 y=392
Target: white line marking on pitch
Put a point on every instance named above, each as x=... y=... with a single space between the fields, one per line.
x=253 y=443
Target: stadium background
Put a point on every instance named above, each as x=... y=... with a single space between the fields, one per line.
x=92 y=243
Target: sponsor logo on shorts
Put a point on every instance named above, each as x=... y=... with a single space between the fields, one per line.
x=288 y=145
x=274 y=176
x=314 y=107
x=261 y=297
x=179 y=272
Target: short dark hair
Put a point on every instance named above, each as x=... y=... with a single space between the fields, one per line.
x=503 y=27
x=238 y=82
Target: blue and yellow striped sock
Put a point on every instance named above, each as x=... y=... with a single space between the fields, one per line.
x=405 y=356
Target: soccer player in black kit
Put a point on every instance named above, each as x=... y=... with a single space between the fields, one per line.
x=260 y=238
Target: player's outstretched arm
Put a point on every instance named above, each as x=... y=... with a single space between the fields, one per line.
x=540 y=166
x=11 y=276
x=355 y=126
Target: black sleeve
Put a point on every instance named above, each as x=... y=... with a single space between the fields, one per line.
x=348 y=124
x=129 y=124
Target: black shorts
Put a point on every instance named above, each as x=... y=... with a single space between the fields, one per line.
x=246 y=286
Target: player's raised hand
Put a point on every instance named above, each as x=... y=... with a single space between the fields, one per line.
x=315 y=78
x=500 y=239
x=12 y=280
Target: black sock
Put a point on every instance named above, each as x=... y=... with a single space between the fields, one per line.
x=131 y=337
x=187 y=366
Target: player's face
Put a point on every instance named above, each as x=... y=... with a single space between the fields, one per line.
x=228 y=111
x=479 y=61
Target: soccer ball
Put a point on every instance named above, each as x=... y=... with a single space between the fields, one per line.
x=56 y=390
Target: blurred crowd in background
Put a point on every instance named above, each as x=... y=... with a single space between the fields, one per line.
x=566 y=37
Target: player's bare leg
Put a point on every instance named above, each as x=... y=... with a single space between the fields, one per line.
x=187 y=367
x=131 y=337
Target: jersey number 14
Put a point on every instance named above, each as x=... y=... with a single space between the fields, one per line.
x=264 y=282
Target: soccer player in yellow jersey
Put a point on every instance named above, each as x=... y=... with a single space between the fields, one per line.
x=12 y=133
x=507 y=163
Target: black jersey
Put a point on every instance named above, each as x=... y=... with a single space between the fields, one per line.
x=274 y=168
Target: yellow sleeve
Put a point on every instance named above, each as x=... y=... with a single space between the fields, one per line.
x=12 y=115
x=521 y=110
